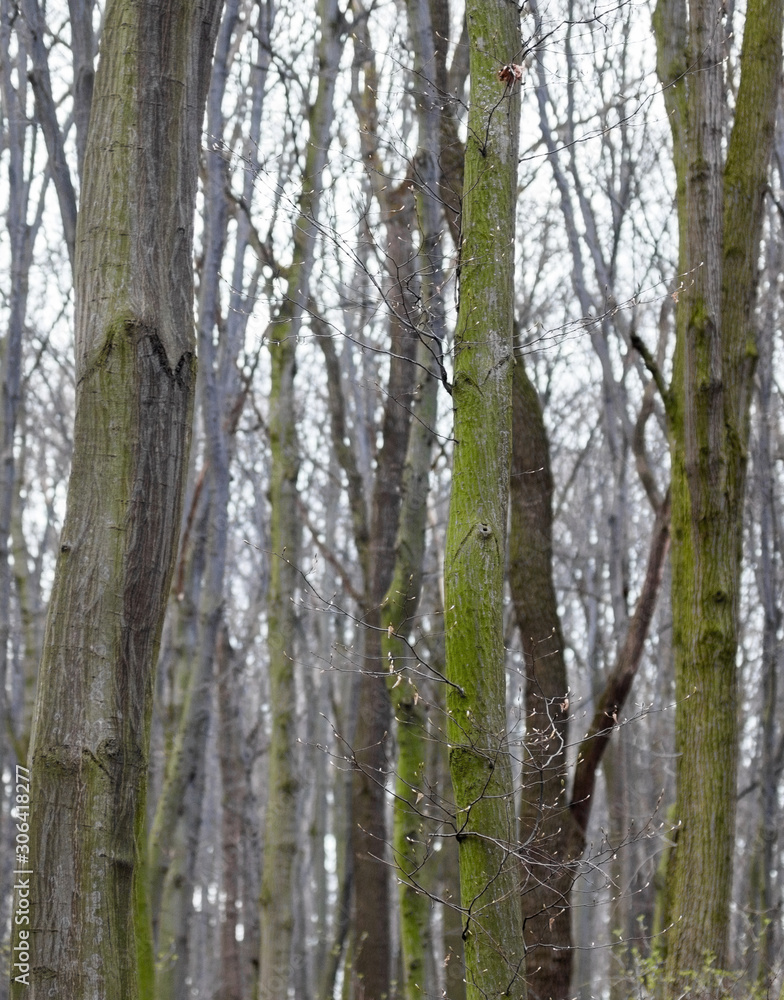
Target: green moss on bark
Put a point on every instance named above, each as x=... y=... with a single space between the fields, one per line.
x=719 y=212
x=135 y=378
x=476 y=535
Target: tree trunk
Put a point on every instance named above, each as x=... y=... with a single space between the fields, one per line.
x=21 y=239
x=218 y=390
x=547 y=828
x=372 y=950
x=280 y=827
x=232 y=768
x=554 y=835
x=412 y=836
x=46 y=114
x=411 y=842
x=89 y=931
x=185 y=738
x=719 y=214
x=476 y=532
x=767 y=579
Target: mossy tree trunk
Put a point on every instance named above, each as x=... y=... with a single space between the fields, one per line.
x=413 y=831
x=89 y=932
x=476 y=533
x=720 y=205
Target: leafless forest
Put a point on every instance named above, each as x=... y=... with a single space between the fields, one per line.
x=302 y=830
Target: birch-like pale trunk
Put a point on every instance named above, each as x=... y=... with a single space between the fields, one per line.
x=89 y=930
x=476 y=533
x=768 y=577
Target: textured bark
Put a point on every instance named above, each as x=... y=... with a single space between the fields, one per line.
x=476 y=533
x=547 y=828
x=719 y=214
x=89 y=932
x=179 y=815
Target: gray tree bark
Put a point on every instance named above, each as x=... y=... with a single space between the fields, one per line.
x=89 y=928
